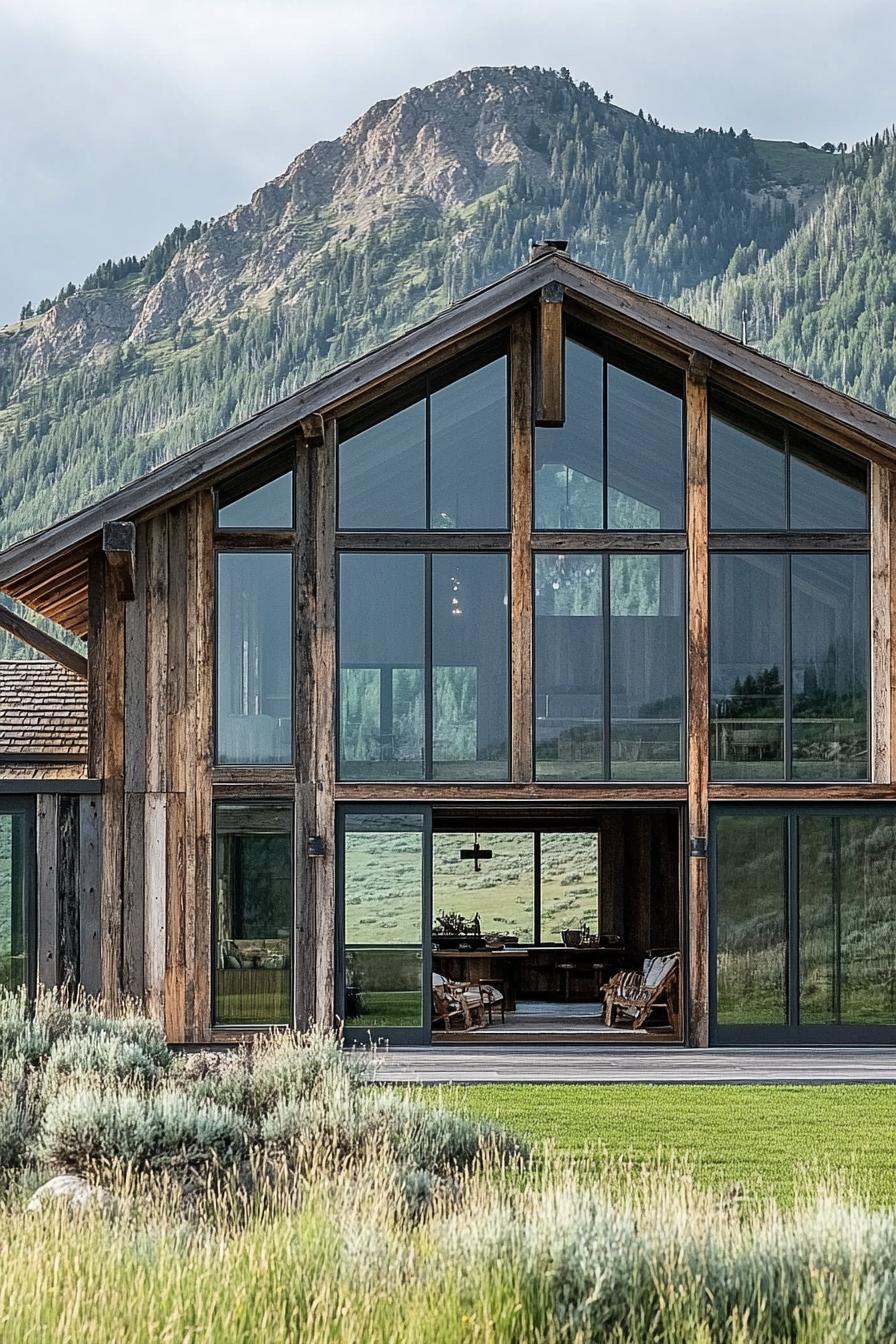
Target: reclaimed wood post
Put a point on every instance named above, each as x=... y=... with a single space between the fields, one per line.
x=881 y=626
x=521 y=487
x=324 y=745
x=697 y=418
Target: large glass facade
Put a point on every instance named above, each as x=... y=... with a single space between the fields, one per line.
x=804 y=921
x=248 y=504
x=383 y=882
x=254 y=658
x=16 y=891
x=609 y=666
x=439 y=462
x=253 y=912
x=790 y=640
x=618 y=460
x=423 y=665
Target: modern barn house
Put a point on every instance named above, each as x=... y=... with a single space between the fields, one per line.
x=529 y=678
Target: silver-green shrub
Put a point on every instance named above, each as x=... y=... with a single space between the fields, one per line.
x=83 y=1128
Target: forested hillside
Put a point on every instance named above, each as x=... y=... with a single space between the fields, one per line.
x=423 y=199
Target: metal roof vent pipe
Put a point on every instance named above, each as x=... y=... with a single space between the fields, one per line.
x=546 y=246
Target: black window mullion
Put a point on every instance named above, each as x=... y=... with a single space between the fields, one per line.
x=428 y=455
x=427 y=673
x=536 y=894
x=792 y=959
x=605 y=446
x=788 y=667
x=787 y=477
x=605 y=622
x=836 y=916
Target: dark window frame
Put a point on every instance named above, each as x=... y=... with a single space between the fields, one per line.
x=422 y=388
x=25 y=806
x=272 y=466
x=427 y=776
x=788 y=776
x=286 y=802
x=668 y=377
x=604 y=557
x=792 y=1032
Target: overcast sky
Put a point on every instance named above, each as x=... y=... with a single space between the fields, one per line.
x=123 y=117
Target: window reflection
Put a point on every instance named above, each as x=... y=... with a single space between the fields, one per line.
x=569 y=461
x=747 y=476
x=383 y=930
x=569 y=641
x=381 y=656
x=254 y=658
x=16 y=863
x=828 y=489
x=263 y=506
x=253 y=912
x=382 y=473
x=645 y=454
x=748 y=666
x=468 y=451
x=751 y=920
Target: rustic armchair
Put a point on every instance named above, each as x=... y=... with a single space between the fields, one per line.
x=462 y=1002
x=634 y=995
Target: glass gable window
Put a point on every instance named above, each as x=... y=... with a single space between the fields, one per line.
x=253 y=912
x=609 y=666
x=246 y=504
x=790 y=641
x=383 y=876
x=618 y=460
x=17 y=863
x=765 y=476
x=254 y=658
x=803 y=921
x=423 y=666
x=439 y=462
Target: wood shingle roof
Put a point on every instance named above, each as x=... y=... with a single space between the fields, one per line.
x=43 y=720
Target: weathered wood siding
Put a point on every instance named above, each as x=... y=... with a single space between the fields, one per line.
x=68 y=883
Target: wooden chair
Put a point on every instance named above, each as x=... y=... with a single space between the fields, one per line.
x=634 y=995
x=452 y=999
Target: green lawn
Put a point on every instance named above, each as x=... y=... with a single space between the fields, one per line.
x=765 y=1138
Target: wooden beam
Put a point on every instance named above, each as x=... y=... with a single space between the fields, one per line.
x=120 y=548
x=521 y=487
x=45 y=643
x=550 y=398
x=324 y=722
x=881 y=617
x=698 y=697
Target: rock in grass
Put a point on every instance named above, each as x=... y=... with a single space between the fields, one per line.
x=73 y=1193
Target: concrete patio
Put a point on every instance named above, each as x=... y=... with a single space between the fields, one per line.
x=634 y=1064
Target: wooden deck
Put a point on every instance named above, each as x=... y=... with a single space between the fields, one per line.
x=506 y=1063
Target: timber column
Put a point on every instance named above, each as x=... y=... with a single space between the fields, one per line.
x=698 y=699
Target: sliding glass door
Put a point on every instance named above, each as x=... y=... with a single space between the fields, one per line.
x=804 y=923
x=384 y=963
x=17 y=862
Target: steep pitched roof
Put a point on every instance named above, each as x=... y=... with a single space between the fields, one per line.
x=62 y=549
x=43 y=720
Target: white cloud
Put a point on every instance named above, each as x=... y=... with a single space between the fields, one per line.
x=124 y=116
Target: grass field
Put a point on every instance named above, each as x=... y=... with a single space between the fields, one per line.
x=765 y=1138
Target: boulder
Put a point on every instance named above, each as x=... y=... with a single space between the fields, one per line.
x=74 y=1193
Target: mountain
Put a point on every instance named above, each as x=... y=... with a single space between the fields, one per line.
x=424 y=198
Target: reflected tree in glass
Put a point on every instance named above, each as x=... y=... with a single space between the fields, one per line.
x=646 y=666
x=253 y=912
x=830 y=651
x=382 y=604
x=847 y=876
x=469 y=674
x=383 y=877
x=747 y=663
x=569 y=660
x=751 y=920
x=15 y=862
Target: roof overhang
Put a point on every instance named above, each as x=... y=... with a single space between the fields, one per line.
x=48 y=571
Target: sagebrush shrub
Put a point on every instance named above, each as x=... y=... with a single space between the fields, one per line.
x=87 y=1127
x=20 y=1111
x=100 y=1056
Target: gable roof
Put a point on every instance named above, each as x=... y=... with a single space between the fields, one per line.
x=43 y=720
x=48 y=570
